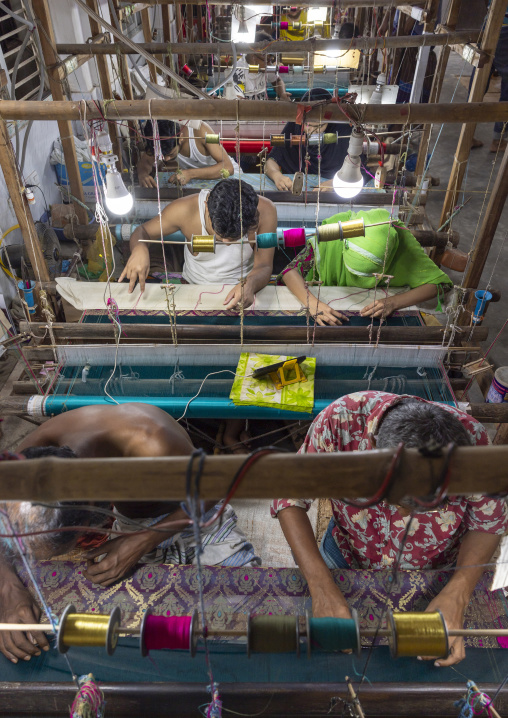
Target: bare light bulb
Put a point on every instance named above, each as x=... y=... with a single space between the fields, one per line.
x=348 y=181
x=118 y=198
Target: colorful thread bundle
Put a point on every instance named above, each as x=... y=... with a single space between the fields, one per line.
x=89 y=701
x=474 y=703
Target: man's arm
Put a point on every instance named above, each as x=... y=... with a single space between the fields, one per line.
x=145 y=167
x=138 y=265
x=18 y=606
x=274 y=172
x=327 y=599
x=476 y=550
x=261 y=272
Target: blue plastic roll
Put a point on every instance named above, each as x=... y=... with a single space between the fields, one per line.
x=483 y=297
x=201 y=408
x=29 y=295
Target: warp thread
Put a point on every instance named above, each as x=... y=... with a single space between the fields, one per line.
x=89 y=701
x=171 y=632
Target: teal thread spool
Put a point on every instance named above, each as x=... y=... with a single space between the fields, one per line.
x=333 y=634
x=267 y=240
x=273 y=634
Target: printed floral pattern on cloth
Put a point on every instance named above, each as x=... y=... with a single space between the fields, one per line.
x=247 y=391
x=372 y=537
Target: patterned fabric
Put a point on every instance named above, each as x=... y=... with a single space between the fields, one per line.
x=224 y=543
x=371 y=537
x=247 y=391
x=231 y=594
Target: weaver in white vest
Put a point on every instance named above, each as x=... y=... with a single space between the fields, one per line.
x=222 y=212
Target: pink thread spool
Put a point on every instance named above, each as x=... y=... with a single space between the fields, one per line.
x=284 y=25
x=175 y=633
x=294 y=237
x=283 y=69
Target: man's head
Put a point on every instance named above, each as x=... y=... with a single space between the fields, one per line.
x=418 y=424
x=169 y=133
x=225 y=209
x=261 y=58
x=27 y=517
x=317 y=94
x=293 y=13
x=349 y=30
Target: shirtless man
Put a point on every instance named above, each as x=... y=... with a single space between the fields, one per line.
x=127 y=430
x=225 y=213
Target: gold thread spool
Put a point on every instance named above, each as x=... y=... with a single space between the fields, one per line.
x=318 y=26
x=278 y=140
x=84 y=629
x=211 y=139
x=329 y=138
x=253 y=68
x=273 y=634
x=319 y=69
x=203 y=243
x=418 y=634
x=296 y=25
x=329 y=232
x=353 y=228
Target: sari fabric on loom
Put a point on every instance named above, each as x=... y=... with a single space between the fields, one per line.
x=231 y=594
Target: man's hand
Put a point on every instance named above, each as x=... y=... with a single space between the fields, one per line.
x=452 y=607
x=325 y=315
x=181 y=177
x=283 y=183
x=147 y=181
x=329 y=603
x=18 y=606
x=122 y=554
x=380 y=308
x=137 y=267
x=285 y=96
x=234 y=297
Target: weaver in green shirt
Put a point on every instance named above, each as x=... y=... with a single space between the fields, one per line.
x=388 y=250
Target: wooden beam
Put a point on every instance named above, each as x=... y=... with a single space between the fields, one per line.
x=487 y=44
x=308 y=3
x=128 y=10
x=475 y=469
x=14 y=185
x=273 y=700
x=76 y=60
x=147 y=35
x=313 y=45
x=105 y=83
x=489 y=225
x=217 y=332
x=166 y=32
x=457 y=113
x=51 y=59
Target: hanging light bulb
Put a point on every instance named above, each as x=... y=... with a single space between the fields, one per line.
x=348 y=181
x=242 y=28
x=117 y=197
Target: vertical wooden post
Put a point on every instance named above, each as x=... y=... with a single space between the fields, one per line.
x=105 y=82
x=489 y=225
x=14 y=185
x=166 y=30
x=437 y=83
x=179 y=29
x=123 y=67
x=51 y=59
x=147 y=34
x=488 y=44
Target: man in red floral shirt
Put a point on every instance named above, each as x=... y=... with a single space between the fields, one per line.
x=465 y=531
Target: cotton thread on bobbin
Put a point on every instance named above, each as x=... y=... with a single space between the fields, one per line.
x=273 y=634
x=203 y=243
x=82 y=629
x=294 y=237
x=174 y=633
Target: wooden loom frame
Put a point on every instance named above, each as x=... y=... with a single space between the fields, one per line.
x=48 y=479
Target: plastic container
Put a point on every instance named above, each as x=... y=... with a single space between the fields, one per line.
x=499 y=387
x=86 y=174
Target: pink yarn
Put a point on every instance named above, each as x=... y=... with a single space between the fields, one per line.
x=284 y=25
x=503 y=641
x=171 y=632
x=283 y=69
x=294 y=237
